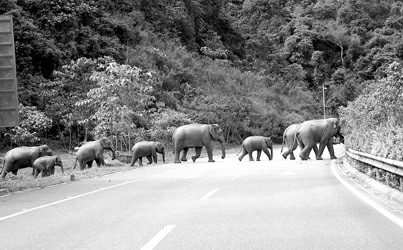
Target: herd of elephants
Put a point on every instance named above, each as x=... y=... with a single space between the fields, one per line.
x=306 y=135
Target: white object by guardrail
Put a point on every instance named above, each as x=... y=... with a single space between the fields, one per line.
x=376 y=162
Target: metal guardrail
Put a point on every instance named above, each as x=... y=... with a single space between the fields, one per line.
x=376 y=162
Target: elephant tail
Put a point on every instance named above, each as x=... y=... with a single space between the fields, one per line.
x=282 y=145
x=240 y=151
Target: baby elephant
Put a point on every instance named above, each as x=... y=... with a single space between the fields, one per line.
x=46 y=165
x=257 y=143
x=147 y=149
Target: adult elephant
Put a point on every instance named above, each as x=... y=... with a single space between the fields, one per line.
x=318 y=131
x=196 y=136
x=93 y=150
x=147 y=149
x=257 y=143
x=291 y=142
x=46 y=165
x=22 y=157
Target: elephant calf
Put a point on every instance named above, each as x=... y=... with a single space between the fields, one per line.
x=257 y=143
x=46 y=165
x=147 y=149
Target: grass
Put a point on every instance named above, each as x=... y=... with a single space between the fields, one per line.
x=24 y=181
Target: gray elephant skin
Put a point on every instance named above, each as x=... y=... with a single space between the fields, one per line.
x=259 y=144
x=147 y=149
x=46 y=165
x=23 y=157
x=93 y=151
x=291 y=141
x=196 y=136
x=318 y=131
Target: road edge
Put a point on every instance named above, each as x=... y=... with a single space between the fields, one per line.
x=360 y=178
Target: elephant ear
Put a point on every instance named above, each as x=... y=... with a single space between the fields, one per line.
x=215 y=131
x=268 y=141
x=159 y=146
x=104 y=142
x=44 y=150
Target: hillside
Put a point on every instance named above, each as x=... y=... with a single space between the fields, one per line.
x=137 y=69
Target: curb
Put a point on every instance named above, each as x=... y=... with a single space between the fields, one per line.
x=354 y=174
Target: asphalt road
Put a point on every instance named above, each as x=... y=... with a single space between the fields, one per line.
x=279 y=204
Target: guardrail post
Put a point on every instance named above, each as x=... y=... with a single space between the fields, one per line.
x=377 y=174
x=370 y=169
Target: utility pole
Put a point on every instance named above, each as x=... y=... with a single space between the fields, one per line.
x=324 y=102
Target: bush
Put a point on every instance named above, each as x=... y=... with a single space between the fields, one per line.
x=373 y=123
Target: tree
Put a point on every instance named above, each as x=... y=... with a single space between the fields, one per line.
x=121 y=93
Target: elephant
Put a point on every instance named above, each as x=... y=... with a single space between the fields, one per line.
x=290 y=141
x=46 y=165
x=93 y=150
x=147 y=149
x=23 y=157
x=257 y=143
x=318 y=131
x=196 y=136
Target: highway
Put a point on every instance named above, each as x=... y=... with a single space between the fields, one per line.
x=279 y=204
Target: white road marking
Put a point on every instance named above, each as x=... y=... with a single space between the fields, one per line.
x=157 y=238
x=75 y=197
x=378 y=208
x=209 y=194
x=235 y=177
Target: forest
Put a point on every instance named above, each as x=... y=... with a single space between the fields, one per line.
x=137 y=69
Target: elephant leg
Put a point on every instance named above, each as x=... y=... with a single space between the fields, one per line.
x=266 y=151
x=292 y=156
x=98 y=163
x=140 y=161
x=150 y=160
x=184 y=154
x=250 y=155
x=315 y=149
x=198 y=152
x=244 y=152
x=331 y=149
x=177 y=153
x=290 y=151
x=259 y=153
x=210 y=152
x=322 y=146
x=304 y=154
x=43 y=173
x=155 y=157
x=36 y=172
x=89 y=164
x=14 y=171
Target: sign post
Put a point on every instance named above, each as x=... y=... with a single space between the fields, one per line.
x=8 y=76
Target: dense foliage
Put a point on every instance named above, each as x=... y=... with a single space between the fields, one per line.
x=374 y=121
x=138 y=68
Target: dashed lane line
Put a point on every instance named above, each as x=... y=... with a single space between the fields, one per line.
x=209 y=194
x=158 y=238
x=235 y=177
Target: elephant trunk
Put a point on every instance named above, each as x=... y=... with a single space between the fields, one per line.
x=113 y=152
x=163 y=156
x=61 y=166
x=271 y=152
x=222 y=142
